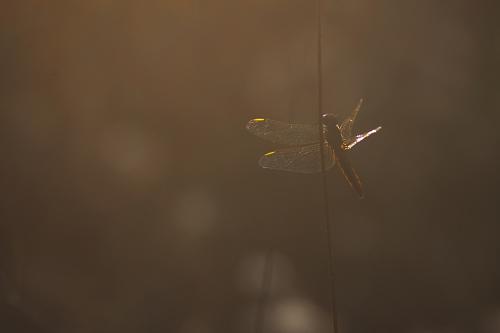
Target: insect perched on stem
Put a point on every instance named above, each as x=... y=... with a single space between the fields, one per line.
x=303 y=151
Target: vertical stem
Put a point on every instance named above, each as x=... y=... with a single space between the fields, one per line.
x=331 y=257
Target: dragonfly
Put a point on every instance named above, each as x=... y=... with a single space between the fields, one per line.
x=303 y=151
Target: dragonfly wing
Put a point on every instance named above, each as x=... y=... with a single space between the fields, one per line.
x=303 y=159
x=284 y=133
x=348 y=123
x=351 y=142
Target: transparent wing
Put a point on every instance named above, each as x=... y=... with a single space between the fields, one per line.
x=304 y=159
x=351 y=142
x=284 y=133
x=348 y=123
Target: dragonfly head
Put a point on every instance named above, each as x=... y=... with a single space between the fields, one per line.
x=329 y=119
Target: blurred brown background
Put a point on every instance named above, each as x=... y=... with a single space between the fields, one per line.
x=131 y=199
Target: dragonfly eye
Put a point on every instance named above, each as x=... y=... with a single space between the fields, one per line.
x=329 y=119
